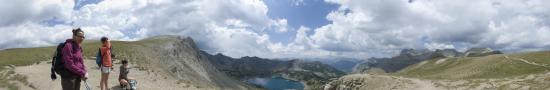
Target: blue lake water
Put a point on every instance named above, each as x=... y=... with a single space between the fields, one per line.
x=276 y=83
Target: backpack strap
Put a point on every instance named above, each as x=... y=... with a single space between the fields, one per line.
x=54 y=57
x=99 y=50
x=52 y=73
x=99 y=57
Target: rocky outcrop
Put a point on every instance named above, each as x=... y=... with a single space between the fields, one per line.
x=379 y=82
x=476 y=52
x=313 y=74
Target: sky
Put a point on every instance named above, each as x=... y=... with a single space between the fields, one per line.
x=287 y=28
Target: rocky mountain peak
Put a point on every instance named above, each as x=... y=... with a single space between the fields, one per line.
x=219 y=54
x=476 y=52
x=414 y=52
x=181 y=58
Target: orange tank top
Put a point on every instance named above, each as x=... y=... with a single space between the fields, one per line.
x=106 y=55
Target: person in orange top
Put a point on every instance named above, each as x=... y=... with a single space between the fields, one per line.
x=107 y=63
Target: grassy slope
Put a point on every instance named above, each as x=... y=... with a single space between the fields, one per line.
x=493 y=66
x=27 y=56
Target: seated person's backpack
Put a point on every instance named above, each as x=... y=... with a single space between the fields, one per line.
x=133 y=84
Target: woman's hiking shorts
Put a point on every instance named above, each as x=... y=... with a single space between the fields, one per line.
x=105 y=70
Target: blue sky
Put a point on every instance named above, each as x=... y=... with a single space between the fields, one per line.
x=308 y=13
x=288 y=28
x=80 y=3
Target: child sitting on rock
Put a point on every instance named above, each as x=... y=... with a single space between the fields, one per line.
x=125 y=81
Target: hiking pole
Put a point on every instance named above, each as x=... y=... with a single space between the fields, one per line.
x=86 y=85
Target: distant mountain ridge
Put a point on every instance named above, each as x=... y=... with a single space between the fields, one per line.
x=412 y=56
x=313 y=74
x=490 y=71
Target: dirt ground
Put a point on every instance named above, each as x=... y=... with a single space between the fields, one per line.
x=38 y=76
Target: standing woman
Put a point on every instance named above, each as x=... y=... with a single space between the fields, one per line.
x=73 y=61
x=106 y=65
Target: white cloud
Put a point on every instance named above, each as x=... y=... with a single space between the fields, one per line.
x=359 y=28
x=16 y=12
x=31 y=35
x=298 y=2
x=233 y=27
x=434 y=46
x=20 y=23
x=280 y=25
x=372 y=26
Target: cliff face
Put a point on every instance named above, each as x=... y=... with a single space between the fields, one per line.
x=180 y=58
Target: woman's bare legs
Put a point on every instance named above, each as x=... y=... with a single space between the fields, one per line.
x=103 y=83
